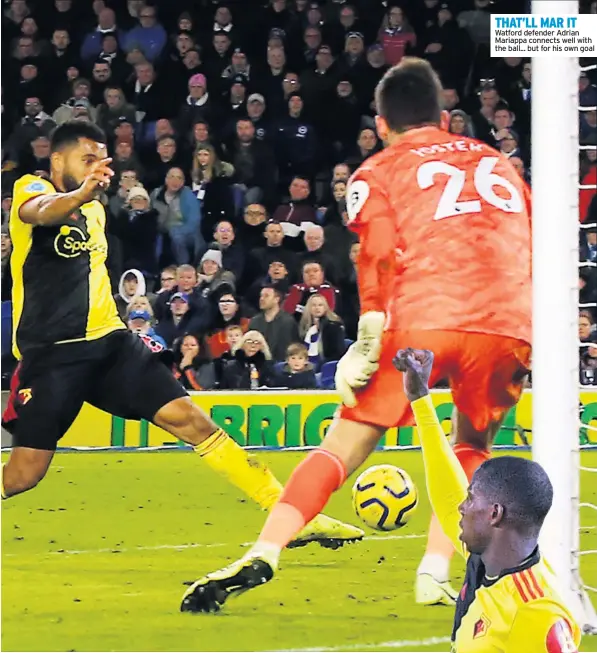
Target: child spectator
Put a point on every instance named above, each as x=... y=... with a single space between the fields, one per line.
x=139 y=322
x=297 y=373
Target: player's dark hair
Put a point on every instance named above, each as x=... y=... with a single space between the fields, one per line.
x=409 y=95
x=522 y=487
x=71 y=132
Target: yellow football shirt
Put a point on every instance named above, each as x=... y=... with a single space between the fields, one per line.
x=520 y=611
x=61 y=288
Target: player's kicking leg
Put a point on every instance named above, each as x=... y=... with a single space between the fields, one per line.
x=351 y=438
x=140 y=386
x=487 y=384
x=324 y=470
x=186 y=421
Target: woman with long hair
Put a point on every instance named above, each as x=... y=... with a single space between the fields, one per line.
x=212 y=183
x=461 y=123
x=192 y=365
x=396 y=35
x=251 y=366
x=322 y=331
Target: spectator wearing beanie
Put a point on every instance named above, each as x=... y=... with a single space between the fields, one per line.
x=136 y=225
x=212 y=276
x=198 y=105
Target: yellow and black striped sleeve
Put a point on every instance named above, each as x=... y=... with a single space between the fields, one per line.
x=447 y=484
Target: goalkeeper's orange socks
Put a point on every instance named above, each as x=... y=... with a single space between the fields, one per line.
x=241 y=469
x=439 y=551
x=312 y=483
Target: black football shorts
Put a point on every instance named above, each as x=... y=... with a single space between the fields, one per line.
x=117 y=373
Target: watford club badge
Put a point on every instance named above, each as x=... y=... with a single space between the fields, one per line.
x=25 y=396
x=481 y=627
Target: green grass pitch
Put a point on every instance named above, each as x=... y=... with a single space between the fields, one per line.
x=94 y=560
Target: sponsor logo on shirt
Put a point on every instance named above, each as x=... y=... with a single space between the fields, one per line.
x=72 y=242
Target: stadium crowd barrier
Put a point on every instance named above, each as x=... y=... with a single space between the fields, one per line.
x=289 y=420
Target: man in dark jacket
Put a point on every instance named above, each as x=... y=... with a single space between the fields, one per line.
x=233 y=255
x=180 y=319
x=295 y=143
x=274 y=250
x=278 y=328
x=254 y=163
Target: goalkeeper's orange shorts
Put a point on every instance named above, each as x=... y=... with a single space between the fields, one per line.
x=486 y=375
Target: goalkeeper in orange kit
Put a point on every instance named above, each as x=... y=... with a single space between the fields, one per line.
x=444 y=264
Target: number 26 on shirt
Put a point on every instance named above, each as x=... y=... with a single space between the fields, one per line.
x=485 y=180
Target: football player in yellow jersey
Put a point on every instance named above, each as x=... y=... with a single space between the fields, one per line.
x=508 y=602
x=73 y=348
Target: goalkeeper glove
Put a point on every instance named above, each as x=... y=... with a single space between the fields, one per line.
x=361 y=360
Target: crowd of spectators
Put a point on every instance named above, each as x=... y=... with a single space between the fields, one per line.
x=234 y=127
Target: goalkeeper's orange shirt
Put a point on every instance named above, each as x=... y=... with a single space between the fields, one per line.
x=445 y=232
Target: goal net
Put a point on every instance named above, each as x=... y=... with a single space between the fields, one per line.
x=556 y=422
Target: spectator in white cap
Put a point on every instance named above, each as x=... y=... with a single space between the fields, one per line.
x=256 y=112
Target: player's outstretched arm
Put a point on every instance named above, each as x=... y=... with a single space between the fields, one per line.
x=446 y=481
x=49 y=209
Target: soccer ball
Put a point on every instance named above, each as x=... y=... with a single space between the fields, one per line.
x=384 y=497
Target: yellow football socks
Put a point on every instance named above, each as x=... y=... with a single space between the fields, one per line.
x=2 y=482
x=241 y=469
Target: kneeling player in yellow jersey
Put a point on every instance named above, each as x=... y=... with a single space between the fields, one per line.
x=73 y=348
x=509 y=602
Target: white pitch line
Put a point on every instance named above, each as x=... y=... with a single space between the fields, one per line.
x=197 y=545
x=401 y=643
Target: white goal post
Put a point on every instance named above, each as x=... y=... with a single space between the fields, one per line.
x=555 y=151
